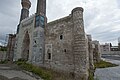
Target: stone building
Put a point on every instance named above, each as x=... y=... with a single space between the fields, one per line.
x=61 y=45
x=10 y=46
x=105 y=48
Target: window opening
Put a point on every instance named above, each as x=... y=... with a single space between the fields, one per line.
x=61 y=37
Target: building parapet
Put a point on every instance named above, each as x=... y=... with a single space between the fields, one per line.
x=67 y=18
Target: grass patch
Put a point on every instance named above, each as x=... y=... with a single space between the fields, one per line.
x=46 y=74
x=104 y=64
x=4 y=62
x=3 y=49
x=91 y=76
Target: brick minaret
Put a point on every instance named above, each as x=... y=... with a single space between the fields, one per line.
x=26 y=4
x=41 y=7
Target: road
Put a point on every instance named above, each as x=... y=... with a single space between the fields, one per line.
x=112 y=73
x=10 y=72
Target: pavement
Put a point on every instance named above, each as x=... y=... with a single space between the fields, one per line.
x=12 y=72
x=112 y=57
x=112 y=73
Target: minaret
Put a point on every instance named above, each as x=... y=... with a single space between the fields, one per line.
x=41 y=19
x=41 y=7
x=26 y=4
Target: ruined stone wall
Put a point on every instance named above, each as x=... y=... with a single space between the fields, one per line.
x=10 y=46
x=58 y=42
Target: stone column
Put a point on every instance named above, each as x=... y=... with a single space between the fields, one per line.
x=79 y=45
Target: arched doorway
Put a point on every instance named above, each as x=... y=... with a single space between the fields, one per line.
x=25 y=47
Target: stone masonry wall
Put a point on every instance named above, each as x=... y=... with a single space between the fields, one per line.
x=58 y=35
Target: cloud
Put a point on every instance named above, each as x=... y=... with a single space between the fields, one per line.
x=101 y=17
x=118 y=2
x=104 y=23
x=9 y=15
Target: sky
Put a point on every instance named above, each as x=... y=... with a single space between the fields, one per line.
x=101 y=17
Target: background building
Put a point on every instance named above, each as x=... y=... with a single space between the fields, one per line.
x=115 y=48
x=105 y=48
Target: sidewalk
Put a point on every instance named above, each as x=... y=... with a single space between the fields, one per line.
x=12 y=72
x=112 y=73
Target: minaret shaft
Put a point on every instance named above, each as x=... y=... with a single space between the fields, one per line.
x=26 y=4
x=41 y=7
x=24 y=14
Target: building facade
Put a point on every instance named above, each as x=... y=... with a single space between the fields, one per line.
x=60 y=45
x=105 y=48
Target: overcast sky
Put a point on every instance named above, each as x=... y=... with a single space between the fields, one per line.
x=101 y=17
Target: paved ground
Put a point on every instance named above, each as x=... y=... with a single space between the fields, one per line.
x=113 y=57
x=112 y=73
x=11 y=72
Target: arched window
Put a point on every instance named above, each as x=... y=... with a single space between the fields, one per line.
x=49 y=54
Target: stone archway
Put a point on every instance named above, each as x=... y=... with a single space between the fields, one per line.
x=25 y=47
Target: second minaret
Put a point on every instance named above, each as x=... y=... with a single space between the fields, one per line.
x=41 y=7
x=26 y=4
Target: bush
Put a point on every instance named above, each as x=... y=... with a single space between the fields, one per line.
x=91 y=75
x=4 y=62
